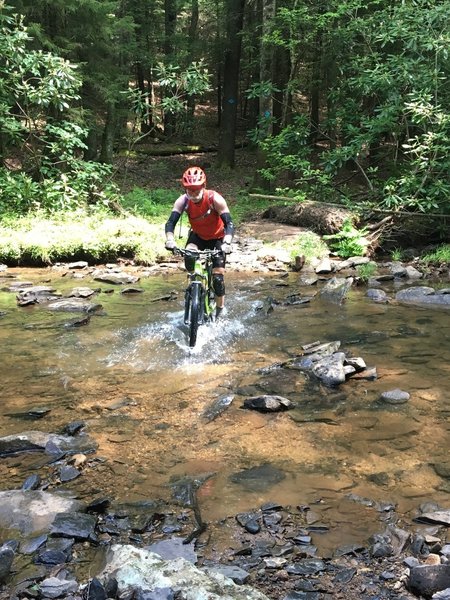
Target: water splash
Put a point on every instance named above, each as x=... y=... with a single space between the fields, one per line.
x=164 y=343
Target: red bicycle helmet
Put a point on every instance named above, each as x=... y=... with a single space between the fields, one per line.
x=193 y=177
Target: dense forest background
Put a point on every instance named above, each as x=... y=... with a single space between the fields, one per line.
x=312 y=87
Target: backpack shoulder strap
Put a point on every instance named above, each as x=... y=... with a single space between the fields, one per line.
x=211 y=199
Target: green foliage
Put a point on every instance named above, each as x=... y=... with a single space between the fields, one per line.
x=366 y=271
x=97 y=237
x=150 y=203
x=179 y=86
x=309 y=245
x=349 y=241
x=391 y=101
x=397 y=254
x=439 y=256
x=37 y=90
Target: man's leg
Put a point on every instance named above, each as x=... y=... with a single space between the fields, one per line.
x=219 y=289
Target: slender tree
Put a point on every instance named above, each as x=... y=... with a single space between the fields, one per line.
x=232 y=56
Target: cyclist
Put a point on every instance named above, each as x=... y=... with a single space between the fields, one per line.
x=211 y=226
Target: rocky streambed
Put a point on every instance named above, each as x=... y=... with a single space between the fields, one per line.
x=57 y=543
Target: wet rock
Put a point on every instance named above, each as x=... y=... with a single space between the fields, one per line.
x=99 y=505
x=32 y=482
x=426 y=580
x=81 y=292
x=438 y=516
x=114 y=278
x=95 y=591
x=395 y=396
x=413 y=273
x=236 y=574
x=297 y=299
x=68 y=473
x=56 y=551
x=442 y=469
x=29 y=441
x=74 y=525
x=324 y=267
x=336 y=289
x=421 y=295
x=73 y=428
x=36 y=294
x=275 y=562
x=397 y=269
x=31 y=545
x=32 y=511
x=165 y=593
x=377 y=295
x=344 y=575
x=78 y=322
x=174 y=547
x=32 y=414
x=306 y=566
x=74 y=305
x=52 y=587
x=268 y=403
x=79 y=264
x=258 y=478
x=132 y=290
x=295 y=595
x=443 y=595
x=217 y=407
x=330 y=370
x=138 y=568
x=6 y=561
x=250 y=522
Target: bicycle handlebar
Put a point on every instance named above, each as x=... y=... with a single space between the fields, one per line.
x=196 y=253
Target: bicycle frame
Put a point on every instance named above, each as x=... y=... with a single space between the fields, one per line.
x=199 y=299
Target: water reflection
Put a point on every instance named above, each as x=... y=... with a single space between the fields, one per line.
x=142 y=392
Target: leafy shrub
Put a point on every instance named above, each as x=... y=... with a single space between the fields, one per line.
x=149 y=203
x=366 y=271
x=437 y=256
x=349 y=241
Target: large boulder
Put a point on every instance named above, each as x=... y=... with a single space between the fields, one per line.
x=139 y=569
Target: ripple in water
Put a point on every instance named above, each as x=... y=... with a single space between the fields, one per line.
x=164 y=344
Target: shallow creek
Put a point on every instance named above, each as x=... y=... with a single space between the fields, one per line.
x=142 y=394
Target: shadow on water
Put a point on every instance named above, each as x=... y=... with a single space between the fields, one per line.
x=130 y=375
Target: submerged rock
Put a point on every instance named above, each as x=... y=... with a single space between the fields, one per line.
x=32 y=511
x=268 y=403
x=34 y=441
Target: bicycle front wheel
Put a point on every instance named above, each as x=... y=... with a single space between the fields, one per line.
x=194 y=314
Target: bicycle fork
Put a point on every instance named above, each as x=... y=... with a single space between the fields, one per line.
x=187 y=302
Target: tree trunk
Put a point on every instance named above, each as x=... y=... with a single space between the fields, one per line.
x=265 y=100
x=314 y=114
x=227 y=136
x=192 y=37
x=170 y=21
x=107 y=150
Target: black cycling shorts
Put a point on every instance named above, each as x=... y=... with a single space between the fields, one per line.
x=218 y=260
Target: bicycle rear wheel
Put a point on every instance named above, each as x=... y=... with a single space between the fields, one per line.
x=194 y=314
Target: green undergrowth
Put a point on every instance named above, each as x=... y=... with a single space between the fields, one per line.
x=438 y=256
x=40 y=239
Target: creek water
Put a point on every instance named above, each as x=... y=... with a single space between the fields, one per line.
x=130 y=376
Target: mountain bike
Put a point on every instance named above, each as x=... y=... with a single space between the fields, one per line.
x=199 y=297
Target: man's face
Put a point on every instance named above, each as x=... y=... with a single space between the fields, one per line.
x=194 y=193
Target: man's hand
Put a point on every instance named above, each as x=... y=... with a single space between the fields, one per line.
x=171 y=244
x=226 y=248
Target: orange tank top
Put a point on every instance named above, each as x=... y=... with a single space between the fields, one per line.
x=204 y=219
